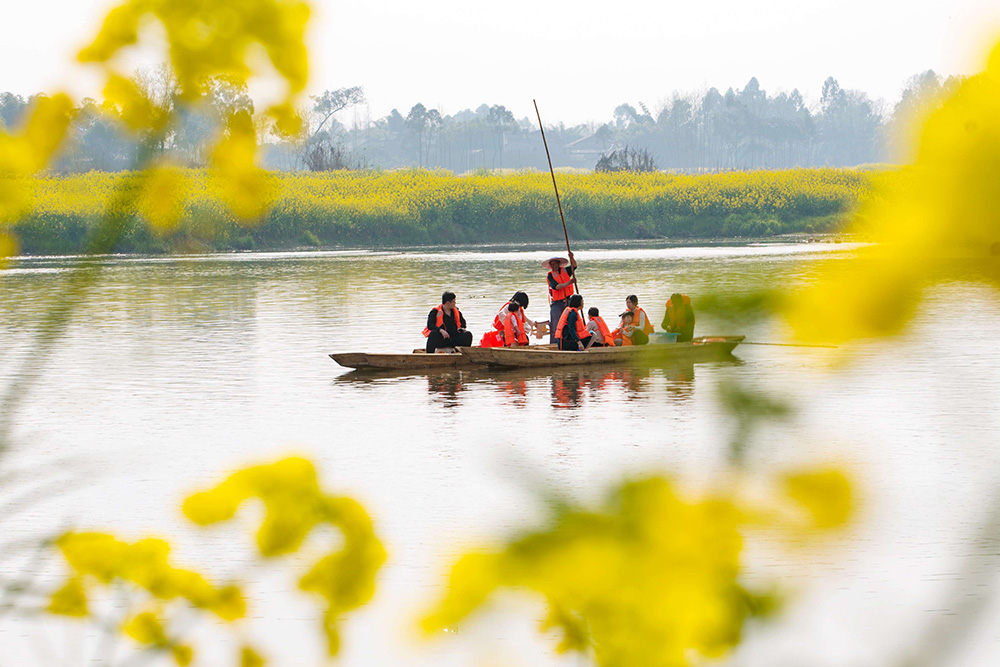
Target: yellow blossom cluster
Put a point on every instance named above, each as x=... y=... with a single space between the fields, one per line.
x=294 y=507
x=289 y=489
x=205 y=39
x=98 y=559
x=650 y=579
x=211 y=37
x=24 y=152
x=942 y=209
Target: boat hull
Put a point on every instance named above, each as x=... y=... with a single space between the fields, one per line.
x=402 y=362
x=700 y=349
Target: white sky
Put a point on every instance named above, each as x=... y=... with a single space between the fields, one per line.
x=580 y=59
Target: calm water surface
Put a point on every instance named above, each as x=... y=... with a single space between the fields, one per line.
x=177 y=370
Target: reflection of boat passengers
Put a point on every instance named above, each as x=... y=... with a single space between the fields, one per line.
x=571 y=333
x=510 y=321
x=598 y=328
x=679 y=317
x=643 y=327
x=560 y=279
x=446 y=325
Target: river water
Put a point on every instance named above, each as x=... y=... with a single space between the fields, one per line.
x=174 y=371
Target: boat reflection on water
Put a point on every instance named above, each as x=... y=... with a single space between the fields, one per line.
x=572 y=390
x=568 y=388
x=446 y=387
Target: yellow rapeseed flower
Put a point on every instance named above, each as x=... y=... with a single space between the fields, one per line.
x=70 y=600
x=211 y=37
x=241 y=184
x=25 y=152
x=945 y=205
x=250 y=658
x=649 y=579
x=135 y=109
x=182 y=654
x=294 y=507
x=162 y=200
x=825 y=495
x=146 y=628
x=145 y=564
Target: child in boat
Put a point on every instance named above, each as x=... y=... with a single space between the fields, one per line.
x=623 y=334
x=599 y=332
x=511 y=320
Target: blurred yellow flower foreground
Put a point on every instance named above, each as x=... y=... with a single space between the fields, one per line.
x=946 y=206
x=651 y=579
x=295 y=506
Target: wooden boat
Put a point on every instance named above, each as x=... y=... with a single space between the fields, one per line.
x=705 y=348
x=418 y=359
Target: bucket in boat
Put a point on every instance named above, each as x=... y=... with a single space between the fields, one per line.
x=663 y=337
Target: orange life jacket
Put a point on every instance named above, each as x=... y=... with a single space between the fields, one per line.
x=648 y=327
x=511 y=327
x=440 y=319
x=560 y=276
x=677 y=317
x=619 y=333
x=581 y=330
x=603 y=328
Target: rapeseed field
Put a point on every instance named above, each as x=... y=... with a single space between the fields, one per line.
x=416 y=207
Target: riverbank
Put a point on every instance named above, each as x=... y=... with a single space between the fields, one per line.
x=382 y=209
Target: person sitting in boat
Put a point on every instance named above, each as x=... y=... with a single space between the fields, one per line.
x=510 y=321
x=571 y=334
x=625 y=332
x=679 y=317
x=598 y=328
x=560 y=279
x=446 y=326
x=643 y=327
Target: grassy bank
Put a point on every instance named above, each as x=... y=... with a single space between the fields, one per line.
x=368 y=209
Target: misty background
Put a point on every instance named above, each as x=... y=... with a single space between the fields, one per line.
x=693 y=132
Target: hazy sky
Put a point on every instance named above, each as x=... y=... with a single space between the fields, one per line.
x=580 y=59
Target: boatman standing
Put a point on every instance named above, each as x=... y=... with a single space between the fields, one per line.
x=446 y=326
x=560 y=280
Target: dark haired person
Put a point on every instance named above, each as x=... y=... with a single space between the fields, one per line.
x=599 y=329
x=643 y=327
x=679 y=317
x=571 y=334
x=446 y=326
x=510 y=321
x=560 y=280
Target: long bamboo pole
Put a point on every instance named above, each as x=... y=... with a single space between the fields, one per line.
x=558 y=200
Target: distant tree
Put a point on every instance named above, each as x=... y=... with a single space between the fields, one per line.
x=922 y=94
x=395 y=123
x=416 y=122
x=12 y=107
x=332 y=101
x=849 y=127
x=327 y=156
x=626 y=159
x=158 y=84
x=501 y=122
x=98 y=142
x=199 y=124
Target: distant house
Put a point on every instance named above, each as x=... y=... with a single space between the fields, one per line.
x=584 y=153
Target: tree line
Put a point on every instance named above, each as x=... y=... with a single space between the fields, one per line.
x=713 y=131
